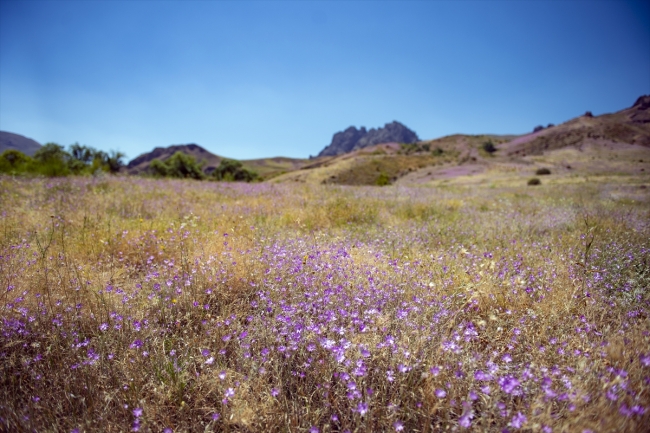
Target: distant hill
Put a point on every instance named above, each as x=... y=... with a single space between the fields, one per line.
x=616 y=143
x=209 y=160
x=390 y=161
x=354 y=139
x=268 y=168
x=265 y=167
x=630 y=125
x=9 y=140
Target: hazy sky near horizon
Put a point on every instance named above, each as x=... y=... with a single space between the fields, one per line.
x=252 y=79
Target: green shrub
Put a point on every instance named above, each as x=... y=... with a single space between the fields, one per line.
x=14 y=161
x=542 y=171
x=382 y=180
x=51 y=160
x=230 y=170
x=534 y=181
x=489 y=147
x=158 y=168
x=179 y=165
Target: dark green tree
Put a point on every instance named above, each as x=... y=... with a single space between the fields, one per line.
x=81 y=153
x=85 y=158
x=115 y=161
x=232 y=170
x=51 y=160
x=14 y=161
x=179 y=165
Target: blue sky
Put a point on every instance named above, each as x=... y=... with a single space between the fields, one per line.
x=264 y=78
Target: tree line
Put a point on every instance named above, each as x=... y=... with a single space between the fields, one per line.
x=54 y=160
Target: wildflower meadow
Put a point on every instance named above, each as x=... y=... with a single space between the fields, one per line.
x=134 y=304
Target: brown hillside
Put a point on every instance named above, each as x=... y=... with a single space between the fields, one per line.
x=11 y=141
x=615 y=144
x=208 y=160
x=630 y=126
x=268 y=168
x=391 y=161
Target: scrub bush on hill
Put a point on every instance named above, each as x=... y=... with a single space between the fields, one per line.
x=140 y=304
x=489 y=147
x=231 y=170
x=183 y=166
x=179 y=165
x=534 y=181
x=382 y=179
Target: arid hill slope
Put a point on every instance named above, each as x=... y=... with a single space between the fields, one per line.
x=140 y=164
x=9 y=140
x=616 y=143
x=265 y=167
x=631 y=126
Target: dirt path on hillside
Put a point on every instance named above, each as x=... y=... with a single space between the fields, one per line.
x=427 y=174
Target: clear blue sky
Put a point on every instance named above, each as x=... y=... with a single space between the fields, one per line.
x=264 y=78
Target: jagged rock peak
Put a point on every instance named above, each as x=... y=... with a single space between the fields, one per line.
x=353 y=138
x=643 y=102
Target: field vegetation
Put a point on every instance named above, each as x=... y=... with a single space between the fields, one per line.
x=140 y=304
x=183 y=166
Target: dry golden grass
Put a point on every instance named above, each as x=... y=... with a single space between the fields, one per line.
x=139 y=304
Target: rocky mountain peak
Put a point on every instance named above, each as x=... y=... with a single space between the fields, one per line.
x=642 y=103
x=353 y=139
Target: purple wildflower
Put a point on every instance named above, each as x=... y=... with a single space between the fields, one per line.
x=509 y=384
x=362 y=408
x=518 y=420
x=465 y=420
x=645 y=359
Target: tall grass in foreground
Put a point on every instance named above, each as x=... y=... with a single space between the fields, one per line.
x=144 y=305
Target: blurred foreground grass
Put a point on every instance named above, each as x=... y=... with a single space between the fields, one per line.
x=158 y=305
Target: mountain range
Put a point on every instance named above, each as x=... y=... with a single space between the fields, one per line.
x=354 y=139
x=394 y=153
x=610 y=144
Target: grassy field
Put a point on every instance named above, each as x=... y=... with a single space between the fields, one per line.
x=159 y=305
